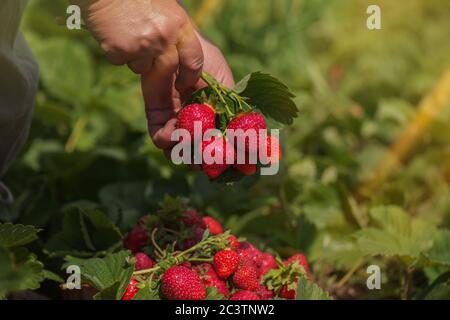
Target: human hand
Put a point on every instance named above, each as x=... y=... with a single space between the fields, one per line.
x=163 y=100
x=146 y=35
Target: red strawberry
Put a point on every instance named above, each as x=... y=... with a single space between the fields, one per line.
x=234 y=242
x=273 y=148
x=186 y=264
x=247 y=169
x=211 y=279
x=265 y=262
x=245 y=295
x=131 y=290
x=247 y=122
x=136 y=239
x=216 y=148
x=143 y=261
x=264 y=293
x=181 y=283
x=197 y=112
x=246 y=277
x=286 y=293
x=192 y=218
x=225 y=263
x=213 y=225
x=301 y=260
x=248 y=252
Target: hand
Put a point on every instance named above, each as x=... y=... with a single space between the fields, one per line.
x=151 y=36
x=163 y=100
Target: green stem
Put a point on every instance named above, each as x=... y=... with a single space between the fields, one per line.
x=201 y=259
x=145 y=271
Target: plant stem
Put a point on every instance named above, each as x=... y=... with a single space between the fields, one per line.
x=407 y=284
x=145 y=271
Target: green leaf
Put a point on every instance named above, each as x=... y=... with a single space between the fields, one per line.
x=85 y=231
x=307 y=290
x=110 y=275
x=147 y=293
x=66 y=69
x=269 y=95
x=396 y=234
x=14 y=235
x=440 y=252
x=20 y=270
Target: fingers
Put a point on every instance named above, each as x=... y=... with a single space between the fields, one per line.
x=190 y=59
x=161 y=100
x=141 y=66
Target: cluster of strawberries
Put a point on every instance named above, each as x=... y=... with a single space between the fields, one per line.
x=220 y=147
x=213 y=264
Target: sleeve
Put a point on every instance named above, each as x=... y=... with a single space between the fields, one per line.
x=18 y=84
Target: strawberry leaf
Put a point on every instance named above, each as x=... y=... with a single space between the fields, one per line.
x=307 y=290
x=110 y=275
x=14 y=235
x=270 y=96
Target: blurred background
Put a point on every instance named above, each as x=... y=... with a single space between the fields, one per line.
x=365 y=177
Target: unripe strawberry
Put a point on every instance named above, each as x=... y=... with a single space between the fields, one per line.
x=247 y=122
x=181 y=283
x=143 y=261
x=211 y=279
x=131 y=290
x=217 y=148
x=301 y=258
x=245 y=295
x=225 y=263
x=265 y=262
x=213 y=225
x=136 y=239
x=246 y=277
x=233 y=241
x=264 y=293
x=197 y=112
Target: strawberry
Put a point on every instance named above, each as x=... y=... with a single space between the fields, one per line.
x=197 y=112
x=213 y=225
x=301 y=258
x=136 y=239
x=220 y=148
x=246 y=277
x=211 y=279
x=225 y=263
x=246 y=122
x=264 y=293
x=247 y=169
x=143 y=261
x=248 y=252
x=233 y=241
x=265 y=262
x=273 y=148
x=245 y=295
x=181 y=283
x=197 y=235
x=186 y=264
x=131 y=290
x=192 y=218
x=287 y=293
